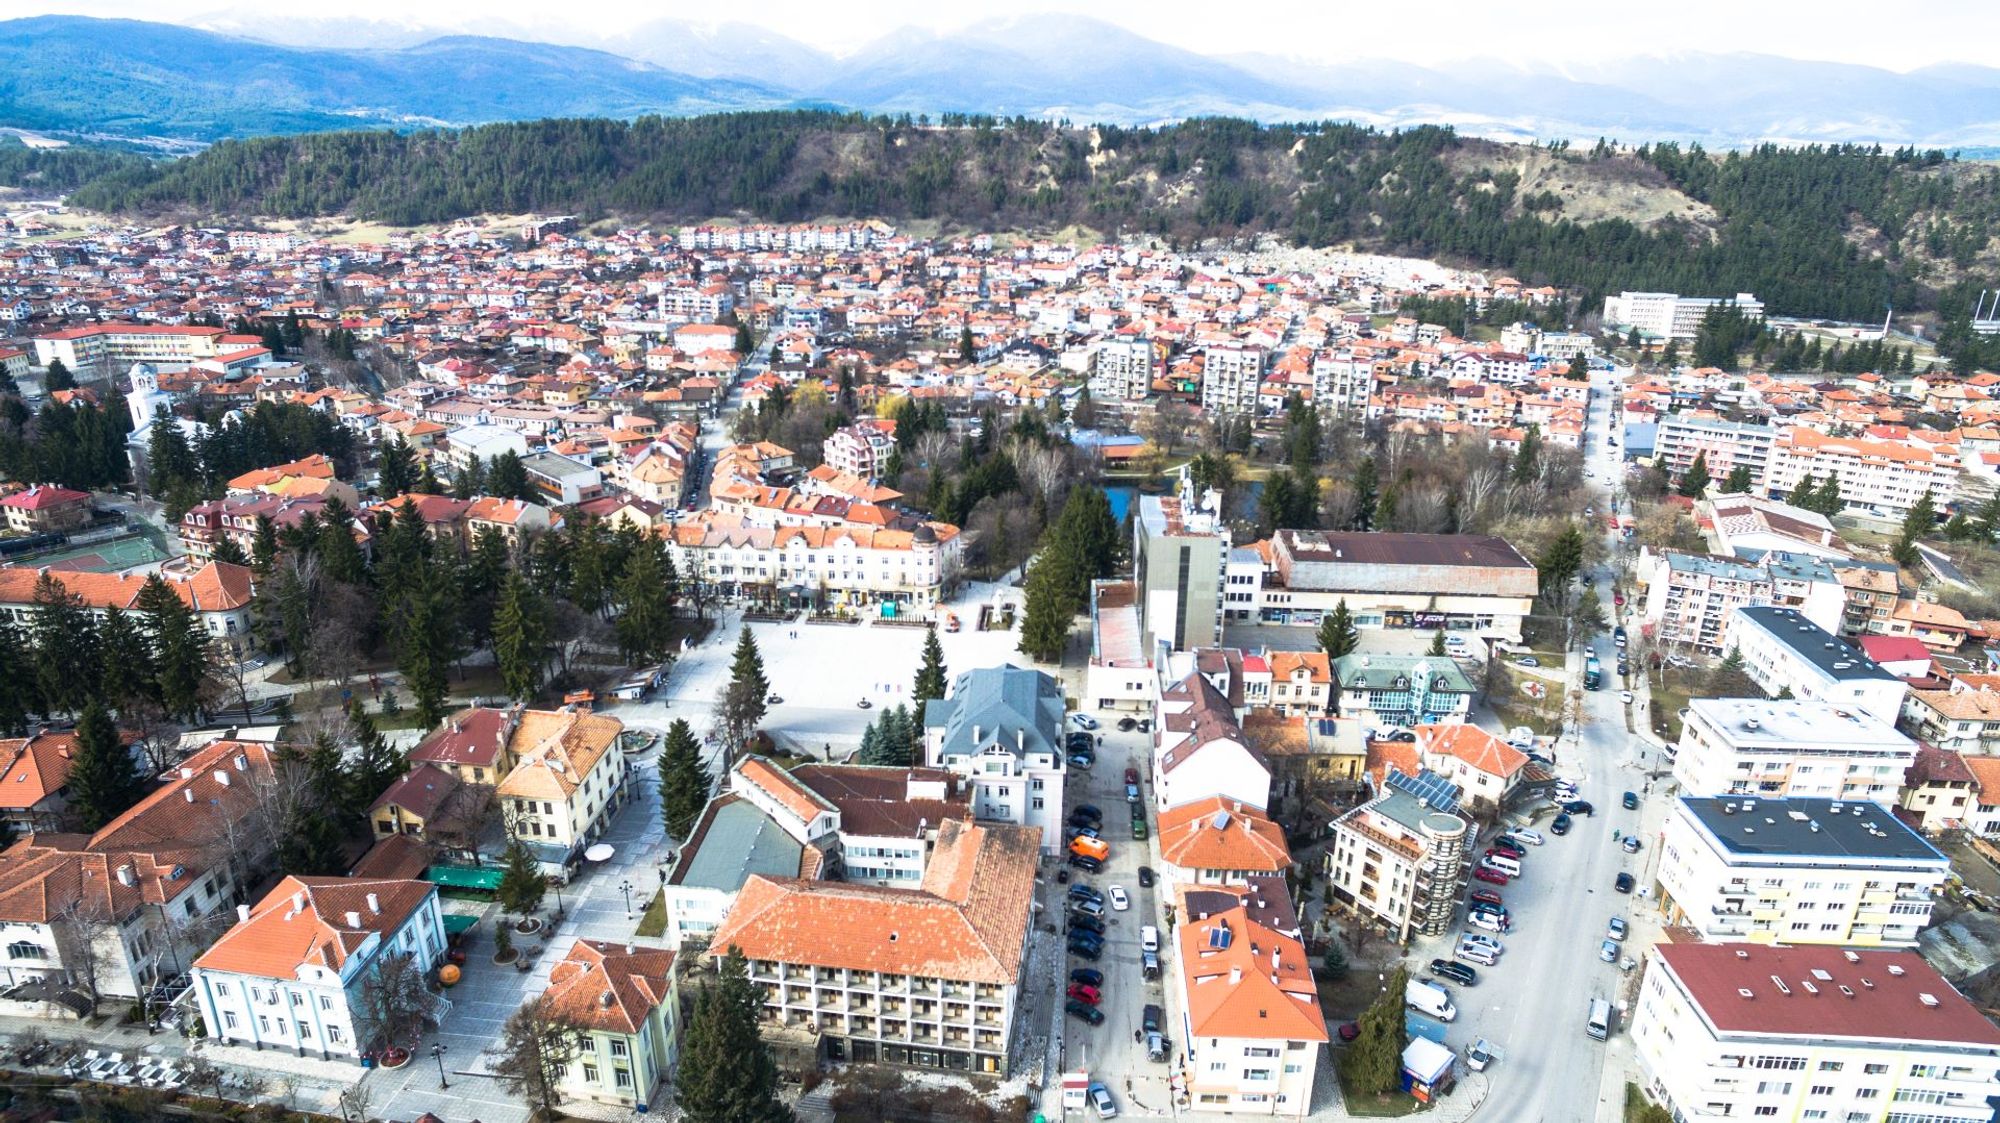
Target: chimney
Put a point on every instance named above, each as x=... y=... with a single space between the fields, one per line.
x=126 y=876
x=298 y=905
x=242 y=762
x=242 y=913
x=1235 y=976
x=189 y=793
x=374 y=904
x=353 y=919
x=222 y=777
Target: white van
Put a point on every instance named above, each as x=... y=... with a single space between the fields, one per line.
x=1503 y=863
x=1149 y=938
x=1598 y=1026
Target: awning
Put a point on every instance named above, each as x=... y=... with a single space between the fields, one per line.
x=464 y=877
x=457 y=922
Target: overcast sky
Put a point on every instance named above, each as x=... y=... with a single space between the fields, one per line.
x=1898 y=36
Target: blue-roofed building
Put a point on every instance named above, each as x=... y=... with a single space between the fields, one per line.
x=1002 y=729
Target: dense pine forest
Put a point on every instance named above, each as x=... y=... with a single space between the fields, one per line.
x=1829 y=231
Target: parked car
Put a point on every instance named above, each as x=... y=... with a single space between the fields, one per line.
x=1617 y=929
x=1138 y=824
x=1090 y=809
x=1502 y=850
x=1478 y=1055
x=1084 y=993
x=1146 y=876
x=1490 y=876
x=1083 y=721
x=1630 y=843
x=1084 y=922
x=1082 y=892
x=1150 y=1018
x=1473 y=953
x=1119 y=901
x=1350 y=1030
x=1126 y=724
x=1489 y=921
x=1085 y=863
x=1608 y=951
x=1462 y=974
x=1149 y=938
x=1527 y=661
x=1487 y=942
x=1625 y=696
x=1082 y=760
x=1089 y=908
x=1079 y=819
x=1086 y=950
x=1078 y=739
x=1624 y=883
x=1624 y=668
x=1101 y=1101
x=1579 y=807
x=1486 y=897
x=1084 y=1011
x=1088 y=976
x=1131 y=793
x=1561 y=824
x=1524 y=834
x=1073 y=832
x=1630 y=800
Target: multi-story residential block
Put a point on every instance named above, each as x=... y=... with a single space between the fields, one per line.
x=1796 y=871
x=1811 y=1033
x=625 y=1003
x=218 y=592
x=861 y=449
x=1460 y=582
x=1199 y=750
x=1784 y=650
x=1795 y=747
x=147 y=888
x=567 y=782
x=1402 y=691
x=1942 y=791
x=926 y=977
x=1872 y=590
x=1722 y=446
x=1253 y=1030
x=1121 y=669
x=564 y=481
x=1962 y=718
x=45 y=509
x=1885 y=477
x=1666 y=315
x=1691 y=598
x=1231 y=375
x=1179 y=549
x=1122 y=370
x=1398 y=862
x=1001 y=729
x=301 y=969
x=122 y=344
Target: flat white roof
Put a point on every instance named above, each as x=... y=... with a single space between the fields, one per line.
x=1797 y=724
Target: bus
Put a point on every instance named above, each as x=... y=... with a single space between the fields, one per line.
x=1599 y=1025
x=1593 y=674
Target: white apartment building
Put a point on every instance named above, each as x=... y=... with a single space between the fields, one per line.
x=1689 y=597
x=1783 y=650
x=1122 y=370
x=1341 y=382
x=122 y=344
x=850 y=564
x=1002 y=729
x=298 y=970
x=1814 y=1034
x=1666 y=315
x=861 y=449
x=925 y=977
x=1251 y=1024
x=1722 y=446
x=1399 y=864
x=1771 y=750
x=1796 y=871
x=1200 y=752
x=1885 y=477
x=1230 y=378
x=625 y=1004
x=562 y=792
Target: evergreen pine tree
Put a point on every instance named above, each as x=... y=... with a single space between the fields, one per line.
x=17 y=678
x=930 y=674
x=1528 y=460
x=67 y=660
x=507 y=478
x=520 y=638
x=1337 y=634
x=522 y=884
x=1694 y=481
x=397 y=471
x=58 y=377
x=1738 y=480
x=684 y=780
x=744 y=699
x=646 y=598
x=1805 y=493
x=103 y=779
x=1437 y=643
x=727 y=1074
x=1371 y=1064
x=181 y=655
x=127 y=659
x=373 y=765
x=229 y=553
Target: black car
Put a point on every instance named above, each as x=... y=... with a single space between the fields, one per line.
x=1631 y=801
x=1146 y=876
x=1082 y=818
x=1086 y=863
x=1126 y=724
x=1082 y=950
x=1080 y=740
x=1088 y=976
x=1624 y=668
x=1579 y=807
x=1150 y=1017
x=1561 y=824
x=1089 y=809
x=1084 y=1010
x=1624 y=883
x=1082 y=892
x=1457 y=972
x=1082 y=922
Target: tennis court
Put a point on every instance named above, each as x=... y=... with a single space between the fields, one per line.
x=115 y=556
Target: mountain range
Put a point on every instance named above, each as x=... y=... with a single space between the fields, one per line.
x=135 y=79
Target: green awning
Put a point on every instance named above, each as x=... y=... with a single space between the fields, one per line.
x=457 y=922
x=464 y=877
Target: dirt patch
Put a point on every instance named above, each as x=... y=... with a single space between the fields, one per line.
x=1619 y=186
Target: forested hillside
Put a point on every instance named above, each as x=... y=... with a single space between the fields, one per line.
x=1827 y=231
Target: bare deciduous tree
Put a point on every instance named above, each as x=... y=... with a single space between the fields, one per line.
x=81 y=930
x=394 y=1003
x=534 y=1048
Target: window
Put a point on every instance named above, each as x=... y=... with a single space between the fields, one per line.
x=228 y=1020
x=333 y=1034
x=1875 y=1070
x=622 y=1077
x=305 y=1031
x=589 y=1073
x=1767 y=1109
x=618 y=1049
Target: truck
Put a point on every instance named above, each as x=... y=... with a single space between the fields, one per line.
x=1593 y=673
x=1430 y=999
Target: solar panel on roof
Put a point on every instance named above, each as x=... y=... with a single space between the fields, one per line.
x=1433 y=789
x=1218 y=937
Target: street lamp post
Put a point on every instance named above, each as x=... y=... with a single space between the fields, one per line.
x=437 y=1054
x=626 y=886
x=559 y=905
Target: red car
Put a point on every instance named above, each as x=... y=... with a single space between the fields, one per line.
x=1350 y=1030
x=1131 y=775
x=1618 y=599
x=1502 y=850
x=1488 y=896
x=1084 y=994
x=1492 y=876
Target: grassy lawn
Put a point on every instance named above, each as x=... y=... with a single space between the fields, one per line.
x=653 y=922
x=1378 y=1107
x=1512 y=707
x=1637 y=1110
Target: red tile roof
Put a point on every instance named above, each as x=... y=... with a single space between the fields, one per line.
x=313 y=920
x=1191 y=838
x=608 y=986
x=35 y=767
